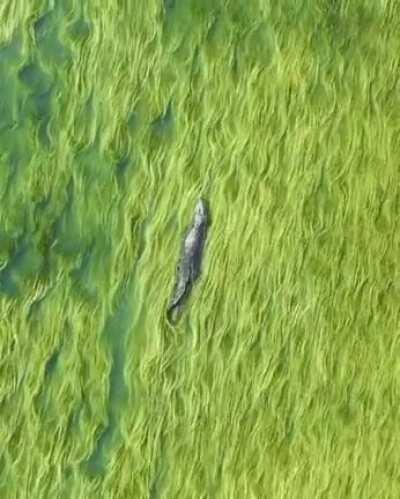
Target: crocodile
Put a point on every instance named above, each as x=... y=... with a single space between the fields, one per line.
x=189 y=267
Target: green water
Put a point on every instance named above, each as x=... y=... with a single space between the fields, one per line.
x=281 y=379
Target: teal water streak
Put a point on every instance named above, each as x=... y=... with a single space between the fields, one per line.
x=115 y=335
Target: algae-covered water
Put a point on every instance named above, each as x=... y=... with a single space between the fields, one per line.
x=282 y=378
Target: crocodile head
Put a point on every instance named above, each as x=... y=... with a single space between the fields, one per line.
x=201 y=212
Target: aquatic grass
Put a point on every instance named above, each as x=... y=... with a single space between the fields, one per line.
x=281 y=378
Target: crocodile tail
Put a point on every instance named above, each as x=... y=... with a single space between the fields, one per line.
x=172 y=313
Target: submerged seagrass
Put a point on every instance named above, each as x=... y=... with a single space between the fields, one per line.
x=287 y=114
x=190 y=262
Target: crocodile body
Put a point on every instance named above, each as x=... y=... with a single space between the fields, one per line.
x=190 y=262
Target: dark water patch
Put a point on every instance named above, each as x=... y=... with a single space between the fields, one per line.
x=43 y=25
x=45 y=233
x=77 y=26
x=169 y=6
x=52 y=363
x=121 y=166
x=168 y=15
x=95 y=464
x=121 y=169
x=234 y=62
x=42 y=105
x=64 y=230
x=20 y=256
x=8 y=286
x=46 y=30
x=82 y=275
x=79 y=30
x=47 y=261
x=23 y=264
x=35 y=78
x=345 y=413
x=41 y=75
x=42 y=399
x=133 y=121
x=114 y=334
x=8 y=102
x=8 y=283
x=163 y=124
